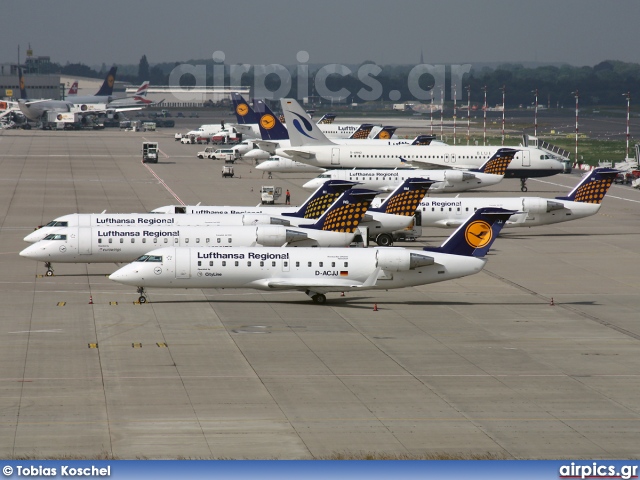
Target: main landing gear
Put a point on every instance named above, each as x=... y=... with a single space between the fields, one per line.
x=49 y=272
x=523 y=184
x=142 y=298
x=318 y=298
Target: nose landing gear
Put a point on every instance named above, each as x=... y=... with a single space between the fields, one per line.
x=49 y=272
x=142 y=298
x=523 y=184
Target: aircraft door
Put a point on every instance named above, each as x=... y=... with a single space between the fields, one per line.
x=526 y=158
x=446 y=158
x=183 y=262
x=335 y=156
x=84 y=241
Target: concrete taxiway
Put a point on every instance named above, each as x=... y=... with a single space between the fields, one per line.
x=536 y=357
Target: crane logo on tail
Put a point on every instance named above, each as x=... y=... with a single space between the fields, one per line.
x=242 y=109
x=478 y=234
x=384 y=135
x=110 y=81
x=267 y=121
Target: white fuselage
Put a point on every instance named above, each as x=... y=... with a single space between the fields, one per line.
x=532 y=211
x=35 y=110
x=387 y=180
x=528 y=162
x=285 y=165
x=320 y=270
x=125 y=244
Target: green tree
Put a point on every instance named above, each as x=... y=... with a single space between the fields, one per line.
x=143 y=69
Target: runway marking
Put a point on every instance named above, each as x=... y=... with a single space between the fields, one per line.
x=162 y=183
x=39 y=331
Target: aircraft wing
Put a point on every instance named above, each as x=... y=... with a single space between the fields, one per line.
x=320 y=284
x=427 y=165
x=299 y=153
x=243 y=129
x=267 y=145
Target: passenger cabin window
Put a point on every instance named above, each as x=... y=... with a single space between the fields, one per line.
x=122 y=240
x=224 y=263
x=99 y=240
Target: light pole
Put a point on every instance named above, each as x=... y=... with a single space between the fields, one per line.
x=535 y=115
x=454 y=113
x=468 y=113
x=504 y=89
x=576 y=94
x=441 y=109
x=484 y=135
x=628 y=95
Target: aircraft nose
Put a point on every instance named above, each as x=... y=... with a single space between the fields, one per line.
x=255 y=153
x=33 y=237
x=31 y=251
x=127 y=275
x=311 y=184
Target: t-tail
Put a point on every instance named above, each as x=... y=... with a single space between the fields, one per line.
x=405 y=198
x=346 y=212
x=302 y=132
x=385 y=133
x=498 y=163
x=106 y=89
x=244 y=113
x=475 y=236
x=23 y=88
x=271 y=128
x=423 y=140
x=362 y=132
x=321 y=199
x=327 y=119
x=593 y=187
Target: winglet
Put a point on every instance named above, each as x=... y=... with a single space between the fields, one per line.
x=244 y=113
x=498 y=163
x=593 y=187
x=475 y=236
x=107 y=86
x=346 y=212
x=406 y=197
x=321 y=199
x=302 y=131
x=270 y=126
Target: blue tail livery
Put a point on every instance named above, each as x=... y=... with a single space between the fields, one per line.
x=498 y=163
x=346 y=212
x=106 y=89
x=593 y=187
x=244 y=113
x=385 y=133
x=362 y=132
x=404 y=200
x=321 y=199
x=271 y=128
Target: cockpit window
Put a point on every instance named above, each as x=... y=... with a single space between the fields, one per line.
x=55 y=236
x=325 y=175
x=54 y=223
x=149 y=258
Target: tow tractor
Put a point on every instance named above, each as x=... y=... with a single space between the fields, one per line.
x=269 y=194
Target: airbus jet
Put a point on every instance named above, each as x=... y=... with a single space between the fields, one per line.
x=319 y=271
x=309 y=145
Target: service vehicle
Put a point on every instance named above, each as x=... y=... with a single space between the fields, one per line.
x=150 y=152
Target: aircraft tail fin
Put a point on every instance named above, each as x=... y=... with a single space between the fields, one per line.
x=346 y=212
x=405 y=198
x=107 y=86
x=327 y=119
x=498 y=163
x=244 y=113
x=73 y=90
x=386 y=132
x=423 y=140
x=142 y=89
x=475 y=236
x=362 y=132
x=23 y=88
x=301 y=131
x=270 y=126
x=593 y=187
x=321 y=199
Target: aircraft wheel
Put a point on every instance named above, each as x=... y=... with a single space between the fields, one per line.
x=523 y=188
x=49 y=273
x=319 y=299
x=384 y=240
x=142 y=299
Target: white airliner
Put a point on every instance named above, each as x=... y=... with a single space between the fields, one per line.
x=123 y=243
x=392 y=214
x=318 y=271
x=309 y=145
x=275 y=135
x=583 y=201
x=453 y=181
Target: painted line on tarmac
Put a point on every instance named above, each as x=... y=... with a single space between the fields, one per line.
x=162 y=183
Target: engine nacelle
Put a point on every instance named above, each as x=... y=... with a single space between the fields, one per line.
x=271 y=235
x=399 y=260
x=457 y=176
x=535 y=205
